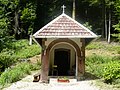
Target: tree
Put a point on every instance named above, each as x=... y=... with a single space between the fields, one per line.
x=117 y=26
x=21 y=15
x=4 y=23
x=107 y=10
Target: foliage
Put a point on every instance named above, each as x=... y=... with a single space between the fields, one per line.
x=29 y=51
x=104 y=46
x=17 y=49
x=21 y=49
x=104 y=67
x=21 y=18
x=28 y=16
x=14 y=74
x=95 y=45
x=117 y=28
x=96 y=63
x=88 y=26
x=6 y=61
x=98 y=59
x=17 y=17
x=111 y=72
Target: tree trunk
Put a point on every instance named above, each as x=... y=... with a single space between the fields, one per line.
x=106 y=24
x=103 y=19
x=109 y=26
x=73 y=12
x=16 y=26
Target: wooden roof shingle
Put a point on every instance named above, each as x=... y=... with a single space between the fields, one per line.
x=64 y=27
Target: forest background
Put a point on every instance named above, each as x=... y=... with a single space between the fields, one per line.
x=21 y=18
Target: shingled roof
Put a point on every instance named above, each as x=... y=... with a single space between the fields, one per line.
x=64 y=27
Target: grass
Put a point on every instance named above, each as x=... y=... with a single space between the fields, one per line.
x=10 y=55
x=17 y=73
x=17 y=49
x=98 y=57
x=104 y=45
x=21 y=49
x=96 y=63
x=28 y=51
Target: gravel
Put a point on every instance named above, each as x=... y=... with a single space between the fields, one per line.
x=27 y=84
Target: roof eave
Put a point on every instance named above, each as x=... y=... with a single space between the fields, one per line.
x=95 y=36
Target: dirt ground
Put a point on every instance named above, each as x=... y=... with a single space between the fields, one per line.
x=28 y=84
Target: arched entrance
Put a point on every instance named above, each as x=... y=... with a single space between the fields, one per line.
x=64 y=54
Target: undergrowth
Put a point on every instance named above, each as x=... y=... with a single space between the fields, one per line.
x=105 y=46
x=103 y=66
x=17 y=73
x=17 y=49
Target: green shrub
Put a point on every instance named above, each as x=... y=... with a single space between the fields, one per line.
x=17 y=50
x=28 y=51
x=7 y=60
x=21 y=49
x=96 y=63
x=97 y=59
x=95 y=69
x=95 y=45
x=16 y=73
x=18 y=44
x=111 y=72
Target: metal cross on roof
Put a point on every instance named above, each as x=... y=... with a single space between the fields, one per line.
x=63 y=7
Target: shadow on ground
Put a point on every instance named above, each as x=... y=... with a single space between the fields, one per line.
x=89 y=76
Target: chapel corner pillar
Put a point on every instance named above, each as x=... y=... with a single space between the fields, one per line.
x=81 y=60
x=44 y=67
x=44 y=64
x=83 y=55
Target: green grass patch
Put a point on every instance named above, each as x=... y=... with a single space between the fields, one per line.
x=97 y=59
x=104 y=45
x=28 y=51
x=17 y=73
x=17 y=49
x=95 y=45
x=96 y=63
x=6 y=61
x=104 y=67
x=21 y=49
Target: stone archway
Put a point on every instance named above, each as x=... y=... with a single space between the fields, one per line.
x=67 y=41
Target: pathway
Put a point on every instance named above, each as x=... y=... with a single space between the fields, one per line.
x=27 y=84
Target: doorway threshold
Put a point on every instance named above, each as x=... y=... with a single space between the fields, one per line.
x=70 y=77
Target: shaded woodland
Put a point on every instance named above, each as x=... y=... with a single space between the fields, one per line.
x=20 y=18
